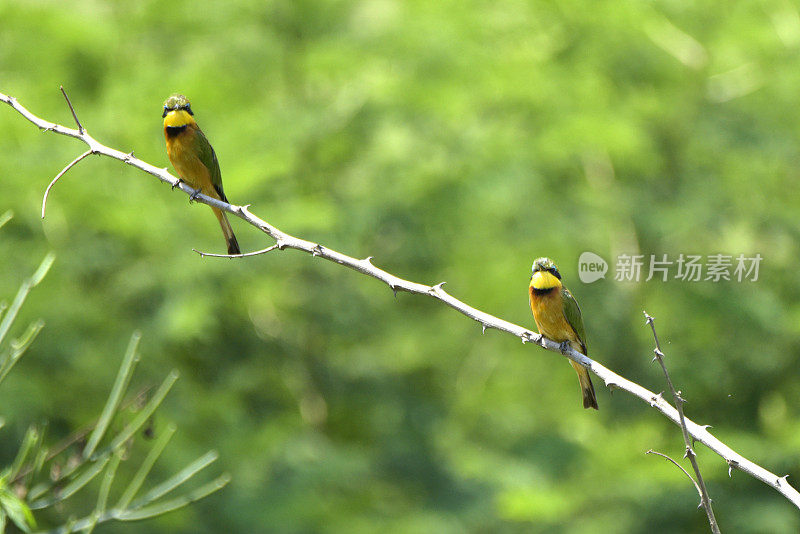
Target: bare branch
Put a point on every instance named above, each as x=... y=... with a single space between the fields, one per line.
x=255 y=253
x=365 y=266
x=59 y=175
x=705 y=501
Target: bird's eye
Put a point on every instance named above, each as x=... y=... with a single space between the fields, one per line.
x=189 y=109
x=165 y=112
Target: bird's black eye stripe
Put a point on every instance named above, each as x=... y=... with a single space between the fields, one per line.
x=188 y=109
x=165 y=112
x=554 y=272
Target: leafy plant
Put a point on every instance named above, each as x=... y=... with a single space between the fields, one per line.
x=24 y=487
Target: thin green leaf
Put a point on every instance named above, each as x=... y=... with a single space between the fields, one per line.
x=83 y=479
x=38 y=490
x=22 y=294
x=44 y=267
x=16 y=510
x=102 y=495
x=24 y=341
x=77 y=525
x=120 y=384
x=145 y=414
x=108 y=479
x=91 y=522
x=38 y=464
x=18 y=348
x=4 y=218
x=154 y=510
x=144 y=469
x=3 y=308
x=28 y=443
x=177 y=479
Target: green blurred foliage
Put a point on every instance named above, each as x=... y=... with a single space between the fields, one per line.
x=452 y=141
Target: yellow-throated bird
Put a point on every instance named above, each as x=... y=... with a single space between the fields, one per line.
x=558 y=317
x=194 y=159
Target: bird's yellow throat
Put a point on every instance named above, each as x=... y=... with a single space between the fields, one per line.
x=544 y=280
x=177 y=118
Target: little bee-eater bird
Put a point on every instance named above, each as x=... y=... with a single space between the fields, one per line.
x=558 y=317
x=193 y=158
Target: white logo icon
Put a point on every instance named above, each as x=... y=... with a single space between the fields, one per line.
x=591 y=267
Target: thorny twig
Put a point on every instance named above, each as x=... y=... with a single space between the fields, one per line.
x=59 y=175
x=365 y=266
x=679 y=466
x=705 y=502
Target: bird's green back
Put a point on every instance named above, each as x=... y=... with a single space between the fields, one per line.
x=209 y=158
x=573 y=314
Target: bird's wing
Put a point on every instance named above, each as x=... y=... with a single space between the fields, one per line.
x=573 y=314
x=209 y=159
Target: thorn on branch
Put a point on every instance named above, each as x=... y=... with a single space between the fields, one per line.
x=74 y=115
x=317 y=250
x=435 y=289
x=732 y=464
x=532 y=337
x=129 y=157
x=781 y=479
x=656 y=398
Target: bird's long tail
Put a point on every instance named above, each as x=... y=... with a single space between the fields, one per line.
x=227 y=231
x=589 y=398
